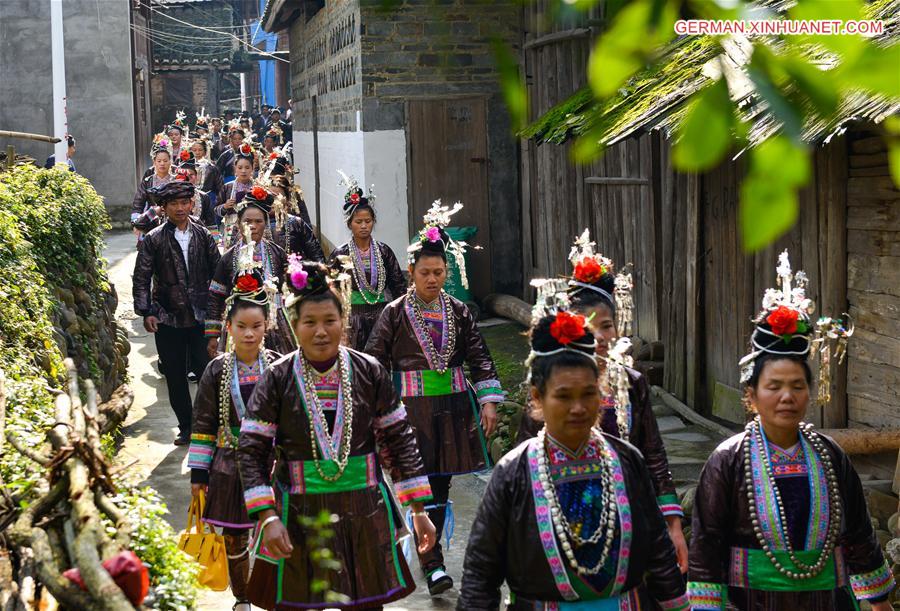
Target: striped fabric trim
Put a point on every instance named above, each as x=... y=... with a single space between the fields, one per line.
x=259 y=498
x=430 y=383
x=258 y=427
x=706 y=596
x=682 y=603
x=212 y=328
x=873 y=584
x=398 y=414
x=669 y=505
x=135 y=216
x=218 y=288
x=412 y=490
x=201 y=450
x=489 y=391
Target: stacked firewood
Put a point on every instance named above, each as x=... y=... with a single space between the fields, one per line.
x=66 y=526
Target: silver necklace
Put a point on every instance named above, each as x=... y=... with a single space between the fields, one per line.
x=441 y=361
x=805 y=571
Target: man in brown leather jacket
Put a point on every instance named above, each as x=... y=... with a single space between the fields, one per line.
x=179 y=257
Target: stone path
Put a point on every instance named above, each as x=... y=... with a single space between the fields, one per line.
x=150 y=429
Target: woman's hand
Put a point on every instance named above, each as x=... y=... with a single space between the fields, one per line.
x=489 y=418
x=677 y=536
x=229 y=204
x=276 y=538
x=881 y=606
x=426 y=534
x=197 y=488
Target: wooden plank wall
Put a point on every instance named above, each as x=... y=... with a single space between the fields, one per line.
x=734 y=282
x=695 y=289
x=873 y=244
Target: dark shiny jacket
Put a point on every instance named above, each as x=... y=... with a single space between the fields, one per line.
x=226 y=271
x=277 y=401
x=297 y=236
x=393 y=342
x=162 y=287
x=205 y=419
x=644 y=434
x=141 y=200
x=225 y=162
x=505 y=544
x=213 y=183
x=395 y=284
x=721 y=517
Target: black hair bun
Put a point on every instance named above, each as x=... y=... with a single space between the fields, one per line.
x=562 y=330
x=306 y=278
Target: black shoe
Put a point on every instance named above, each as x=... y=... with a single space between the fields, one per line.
x=160 y=368
x=182 y=440
x=439 y=582
x=192 y=377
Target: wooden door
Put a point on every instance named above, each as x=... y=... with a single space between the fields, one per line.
x=448 y=160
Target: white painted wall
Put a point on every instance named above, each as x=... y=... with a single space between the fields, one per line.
x=374 y=158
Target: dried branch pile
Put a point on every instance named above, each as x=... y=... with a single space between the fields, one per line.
x=64 y=527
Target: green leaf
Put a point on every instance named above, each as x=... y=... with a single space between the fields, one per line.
x=843 y=10
x=769 y=205
x=816 y=85
x=877 y=70
x=894 y=160
x=637 y=32
x=704 y=135
x=511 y=83
x=763 y=71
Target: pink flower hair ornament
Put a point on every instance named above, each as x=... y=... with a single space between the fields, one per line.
x=296 y=273
x=433 y=234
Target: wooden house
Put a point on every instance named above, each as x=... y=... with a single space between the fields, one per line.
x=695 y=288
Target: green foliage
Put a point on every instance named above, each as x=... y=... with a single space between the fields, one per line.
x=803 y=87
x=511 y=83
x=769 y=205
x=51 y=235
x=172 y=573
x=319 y=532
x=705 y=134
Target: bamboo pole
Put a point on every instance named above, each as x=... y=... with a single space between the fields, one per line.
x=28 y=136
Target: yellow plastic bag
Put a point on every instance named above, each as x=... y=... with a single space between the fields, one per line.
x=204 y=547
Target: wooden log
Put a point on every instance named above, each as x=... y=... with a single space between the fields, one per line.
x=876 y=274
x=865 y=441
x=877 y=243
x=113 y=412
x=691 y=415
x=868 y=146
x=509 y=307
x=876 y=187
x=868 y=161
x=28 y=136
x=881 y=170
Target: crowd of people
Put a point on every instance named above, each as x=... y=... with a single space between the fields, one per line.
x=340 y=385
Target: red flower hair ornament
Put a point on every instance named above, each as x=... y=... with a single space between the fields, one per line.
x=247 y=284
x=273 y=155
x=567 y=327
x=259 y=193
x=185 y=155
x=246 y=149
x=783 y=320
x=589 y=270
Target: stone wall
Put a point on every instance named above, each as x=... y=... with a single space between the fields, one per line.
x=325 y=64
x=98 y=88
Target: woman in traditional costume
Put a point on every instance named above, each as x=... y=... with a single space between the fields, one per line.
x=143 y=214
x=253 y=219
x=377 y=278
x=222 y=396
x=209 y=177
x=625 y=409
x=336 y=421
x=425 y=338
x=780 y=519
x=235 y=190
x=569 y=517
x=290 y=231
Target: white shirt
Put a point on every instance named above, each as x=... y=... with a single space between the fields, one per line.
x=184 y=240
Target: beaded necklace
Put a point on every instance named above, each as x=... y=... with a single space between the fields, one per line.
x=439 y=360
x=264 y=255
x=834 y=503
x=606 y=528
x=230 y=394
x=376 y=273
x=316 y=415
